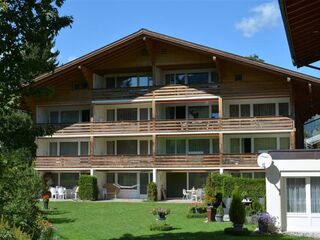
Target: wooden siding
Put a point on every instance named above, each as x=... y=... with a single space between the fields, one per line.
x=148 y=161
x=177 y=126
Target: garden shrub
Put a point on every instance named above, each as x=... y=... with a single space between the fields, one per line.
x=213 y=186
x=8 y=232
x=237 y=212
x=160 y=226
x=197 y=211
x=88 y=188
x=152 y=191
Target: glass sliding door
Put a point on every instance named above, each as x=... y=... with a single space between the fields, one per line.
x=296 y=195
x=144 y=180
x=315 y=194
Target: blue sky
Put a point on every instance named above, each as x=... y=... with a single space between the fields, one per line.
x=241 y=27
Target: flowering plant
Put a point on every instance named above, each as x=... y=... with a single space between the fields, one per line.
x=162 y=211
x=266 y=219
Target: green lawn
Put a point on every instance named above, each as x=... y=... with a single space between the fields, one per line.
x=102 y=221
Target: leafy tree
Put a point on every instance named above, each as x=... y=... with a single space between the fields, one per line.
x=256 y=58
x=28 y=29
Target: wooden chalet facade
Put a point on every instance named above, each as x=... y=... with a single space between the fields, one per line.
x=150 y=107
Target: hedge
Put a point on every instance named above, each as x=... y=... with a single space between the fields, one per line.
x=225 y=184
x=88 y=188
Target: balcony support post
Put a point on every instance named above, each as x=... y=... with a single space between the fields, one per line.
x=292 y=140
x=154 y=175
x=91 y=148
x=220 y=108
x=221 y=171
x=92 y=172
x=221 y=148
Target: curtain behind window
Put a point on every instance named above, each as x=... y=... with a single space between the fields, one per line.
x=69 y=148
x=127 y=114
x=315 y=194
x=266 y=109
x=235 y=145
x=296 y=195
x=127 y=179
x=262 y=144
x=201 y=146
x=127 y=147
x=69 y=116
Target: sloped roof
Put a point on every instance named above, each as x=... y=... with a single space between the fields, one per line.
x=92 y=56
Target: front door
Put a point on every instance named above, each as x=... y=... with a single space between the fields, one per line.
x=176 y=182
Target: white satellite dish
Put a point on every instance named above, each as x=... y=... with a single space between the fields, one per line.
x=264 y=160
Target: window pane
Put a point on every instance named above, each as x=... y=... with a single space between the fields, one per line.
x=170 y=146
x=84 y=148
x=265 y=144
x=169 y=78
x=296 y=195
x=144 y=81
x=69 y=180
x=197 y=180
x=85 y=115
x=127 y=147
x=245 y=110
x=54 y=117
x=127 y=114
x=235 y=145
x=127 y=81
x=246 y=145
x=110 y=178
x=180 y=112
x=266 y=109
x=283 y=109
x=234 y=110
x=246 y=175
x=110 y=115
x=214 y=77
x=144 y=147
x=198 y=112
x=110 y=147
x=198 y=78
x=199 y=146
x=180 y=78
x=110 y=82
x=127 y=179
x=181 y=146
x=235 y=174
x=315 y=195
x=170 y=112
x=69 y=116
x=69 y=148
x=215 y=145
x=143 y=114
x=259 y=175
x=284 y=143
x=53 y=149
x=52 y=179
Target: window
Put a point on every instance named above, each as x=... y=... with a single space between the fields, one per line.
x=265 y=109
x=197 y=180
x=85 y=115
x=53 y=149
x=110 y=82
x=246 y=175
x=245 y=110
x=296 y=195
x=215 y=145
x=69 y=116
x=264 y=144
x=259 y=175
x=110 y=177
x=198 y=78
x=215 y=111
x=54 y=117
x=110 y=115
x=127 y=147
x=175 y=146
x=234 y=110
x=110 y=148
x=315 y=194
x=235 y=145
x=284 y=143
x=124 y=114
x=69 y=148
x=69 y=180
x=199 y=146
x=84 y=148
x=176 y=112
x=127 y=81
x=198 y=112
x=169 y=79
x=145 y=81
x=283 y=109
x=238 y=77
x=178 y=78
x=53 y=179
x=214 y=77
x=246 y=145
x=143 y=113
x=127 y=179
x=235 y=174
x=144 y=147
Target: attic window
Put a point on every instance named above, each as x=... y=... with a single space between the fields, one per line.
x=238 y=77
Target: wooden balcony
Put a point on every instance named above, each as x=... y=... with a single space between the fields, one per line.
x=157 y=92
x=148 y=161
x=177 y=126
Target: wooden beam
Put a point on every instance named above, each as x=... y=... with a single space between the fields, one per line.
x=220 y=107
x=292 y=140
x=88 y=75
x=91 y=147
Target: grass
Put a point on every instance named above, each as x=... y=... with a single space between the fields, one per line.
x=120 y=221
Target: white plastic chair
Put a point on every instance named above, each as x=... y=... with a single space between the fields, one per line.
x=61 y=193
x=185 y=194
x=54 y=193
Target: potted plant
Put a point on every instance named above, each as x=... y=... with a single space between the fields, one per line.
x=264 y=221
x=219 y=214
x=237 y=212
x=161 y=213
x=45 y=199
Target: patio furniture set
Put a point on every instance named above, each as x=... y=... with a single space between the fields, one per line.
x=193 y=194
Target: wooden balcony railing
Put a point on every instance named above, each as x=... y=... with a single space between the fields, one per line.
x=177 y=126
x=147 y=161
